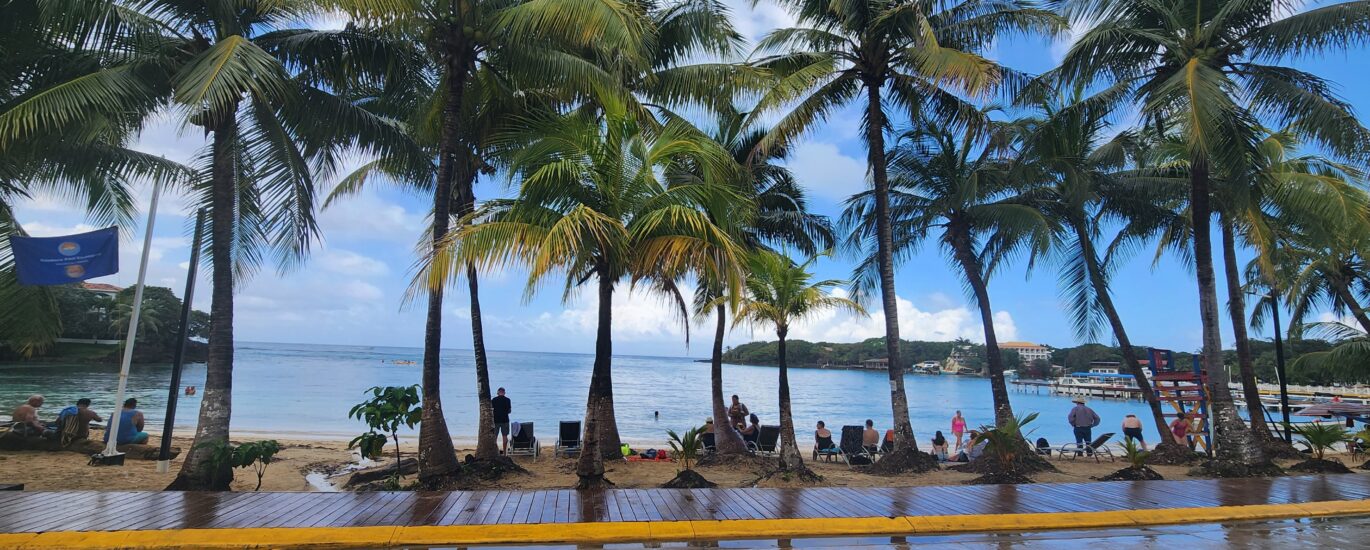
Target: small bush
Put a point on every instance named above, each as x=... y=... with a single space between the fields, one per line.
x=1319 y=437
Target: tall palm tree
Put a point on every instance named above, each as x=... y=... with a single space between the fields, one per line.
x=610 y=200
x=230 y=69
x=473 y=54
x=1280 y=188
x=957 y=182
x=780 y=293
x=1200 y=62
x=781 y=220
x=1328 y=270
x=1067 y=149
x=914 y=54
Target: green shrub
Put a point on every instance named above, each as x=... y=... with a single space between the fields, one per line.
x=1134 y=453
x=388 y=408
x=1005 y=444
x=1319 y=437
x=685 y=448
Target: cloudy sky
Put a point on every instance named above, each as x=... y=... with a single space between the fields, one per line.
x=351 y=290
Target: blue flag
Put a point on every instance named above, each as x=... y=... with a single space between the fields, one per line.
x=63 y=260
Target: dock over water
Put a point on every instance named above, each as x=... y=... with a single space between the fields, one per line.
x=377 y=519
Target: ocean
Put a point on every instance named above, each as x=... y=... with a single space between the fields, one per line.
x=304 y=391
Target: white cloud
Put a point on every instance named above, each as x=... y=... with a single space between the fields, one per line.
x=346 y=262
x=827 y=173
x=637 y=316
x=754 y=21
x=914 y=324
x=367 y=216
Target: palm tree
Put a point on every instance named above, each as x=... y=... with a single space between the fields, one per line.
x=473 y=54
x=605 y=199
x=914 y=54
x=781 y=219
x=957 y=181
x=226 y=68
x=779 y=293
x=1328 y=269
x=1066 y=148
x=1197 y=62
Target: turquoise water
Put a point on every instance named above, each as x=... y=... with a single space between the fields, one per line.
x=306 y=390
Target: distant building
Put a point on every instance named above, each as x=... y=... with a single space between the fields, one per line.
x=1028 y=351
x=106 y=290
x=876 y=364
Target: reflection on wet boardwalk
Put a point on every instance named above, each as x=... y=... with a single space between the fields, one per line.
x=32 y=512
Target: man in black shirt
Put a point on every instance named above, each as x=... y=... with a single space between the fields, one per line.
x=501 y=406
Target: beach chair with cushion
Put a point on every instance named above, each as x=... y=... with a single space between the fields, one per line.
x=853 y=452
x=767 y=441
x=568 y=439
x=825 y=449
x=1095 y=449
x=525 y=442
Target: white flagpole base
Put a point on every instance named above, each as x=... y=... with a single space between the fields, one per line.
x=163 y=466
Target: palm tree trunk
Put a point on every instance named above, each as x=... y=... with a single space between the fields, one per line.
x=790 y=459
x=1351 y=302
x=1235 y=443
x=216 y=403
x=1236 y=310
x=994 y=360
x=609 y=441
x=726 y=439
x=486 y=447
x=875 y=153
x=590 y=466
x=1096 y=279
x=437 y=456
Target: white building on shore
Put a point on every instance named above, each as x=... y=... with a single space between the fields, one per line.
x=1028 y=351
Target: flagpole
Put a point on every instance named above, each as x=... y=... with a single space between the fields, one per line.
x=164 y=455
x=111 y=446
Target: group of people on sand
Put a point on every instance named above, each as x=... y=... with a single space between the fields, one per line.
x=741 y=419
x=25 y=422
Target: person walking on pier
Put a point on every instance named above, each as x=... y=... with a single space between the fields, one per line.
x=1083 y=419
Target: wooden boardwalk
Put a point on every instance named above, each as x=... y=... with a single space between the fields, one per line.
x=39 y=511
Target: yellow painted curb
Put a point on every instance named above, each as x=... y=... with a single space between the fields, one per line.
x=662 y=531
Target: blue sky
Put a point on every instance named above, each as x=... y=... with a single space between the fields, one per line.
x=351 y=289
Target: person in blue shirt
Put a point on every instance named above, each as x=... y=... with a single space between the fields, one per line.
x=130 y=424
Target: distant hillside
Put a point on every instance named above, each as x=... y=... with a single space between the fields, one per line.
x=813 y=354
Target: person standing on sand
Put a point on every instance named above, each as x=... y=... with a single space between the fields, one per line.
x=500 y=407
x=1180 y=429
x=1083 y=420
x=1132 y=429
x=958 y=428
x=737 y=414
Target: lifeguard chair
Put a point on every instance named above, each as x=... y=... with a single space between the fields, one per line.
x=1185 y=390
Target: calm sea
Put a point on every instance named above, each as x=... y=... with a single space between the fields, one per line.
x=304 y=390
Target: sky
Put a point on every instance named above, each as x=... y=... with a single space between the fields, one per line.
x=351 y=290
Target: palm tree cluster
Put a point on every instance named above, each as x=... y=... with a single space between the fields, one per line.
x=621 y=128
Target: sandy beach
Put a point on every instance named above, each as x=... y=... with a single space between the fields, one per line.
x=45 y=470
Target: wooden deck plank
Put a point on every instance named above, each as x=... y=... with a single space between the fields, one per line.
x=135 y=510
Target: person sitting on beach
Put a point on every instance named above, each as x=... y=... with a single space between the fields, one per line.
x=752 y=431
x=972 y=451
x=870 y=439
x=1132 y=429
x=82 y=415
x=737 y=414
x=130 y=425
x=25 y=417
x=939 y=446
x=709 y=425
x=822 y=437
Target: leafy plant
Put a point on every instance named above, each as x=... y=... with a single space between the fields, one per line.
x=256 y=455
x=370 y=444
x=388 y=408
x=1005 y=443
x=218 y=461
x=1319 y=437
x=685 y=448
x=1134 y=453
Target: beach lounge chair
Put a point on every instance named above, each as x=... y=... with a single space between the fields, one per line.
x=568 y=439
x=706 y=440
x=1043 y=447
x=853 y=452
x=525 y=443
x=1095 y=448
x=824 y=448
x=767 y=441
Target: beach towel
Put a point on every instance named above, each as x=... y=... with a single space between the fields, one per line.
x=514 y=429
